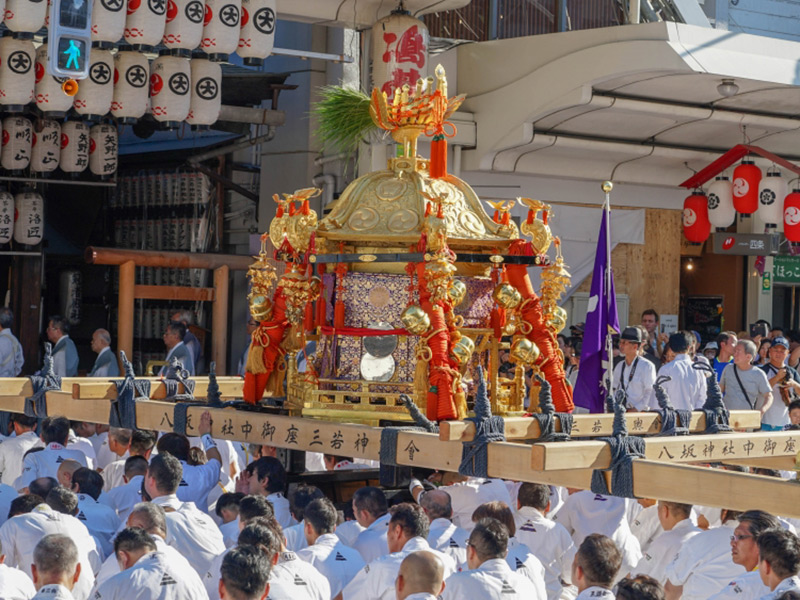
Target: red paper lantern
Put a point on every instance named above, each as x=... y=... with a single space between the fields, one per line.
x=791 y=216
x=746 y=178
x=696 y=226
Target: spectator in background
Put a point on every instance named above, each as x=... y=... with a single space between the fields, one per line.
x=11 y=358
x=105 y=365
x=794 y=348
x=726 y=341
x=744 y=386
x=190 y=340
x=763 y=352
x=710 y=351
x=65 y=354
x=654 y=343
x=174 y=337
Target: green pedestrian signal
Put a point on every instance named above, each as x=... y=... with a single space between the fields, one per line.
x=70 y=38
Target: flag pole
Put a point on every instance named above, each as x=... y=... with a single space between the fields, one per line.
x=607 y=186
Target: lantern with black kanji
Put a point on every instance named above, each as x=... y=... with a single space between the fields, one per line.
x=791 y=216
x=206 y=98
x=131 y=90
x=74 y=147
x=721 y=212
x=184 y=29
x=257 y=34
x=6 y=217
x=771 y=191
x=170 y=89
x=746 y=178
x=93 y=100
x=145 y=22
x=50 y=98
x=103 y=150
x=399 y=51
x=221 y=28
x=29 y=218
x=25 y=17
x=108 y=22
x=17 y=75
x=696 y=226
x=16 y=151
x=46 y=146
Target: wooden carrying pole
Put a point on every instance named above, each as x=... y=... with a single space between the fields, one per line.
x=128 y=260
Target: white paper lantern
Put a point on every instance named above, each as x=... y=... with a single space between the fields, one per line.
x=46 y=146
x=206 y=93
x=6 y=217
x=257 y=35
x=184 y=28
x=103 y=150
x=29 y=220
x=170 y=87
x=17 y=75
x=771 y=192
x=108 y=22
x=49 y=96
x=221 y=28
x=399 y=52
x=144 y=25
x=25 y=17
x=131 y=92
x=720 y=203
x=74 y=147
x=16 y=151
x=96 y=92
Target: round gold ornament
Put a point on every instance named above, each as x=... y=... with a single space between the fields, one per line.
x=506 y=296
x=415 y=320
x=524 y=351
x=559 y=319
x=457 y=292
x=463 y=349
x=260 y=308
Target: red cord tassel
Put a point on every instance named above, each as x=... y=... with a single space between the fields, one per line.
x=438 y=162
x=308 y=317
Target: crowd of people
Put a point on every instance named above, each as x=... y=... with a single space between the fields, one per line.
x=91 y=512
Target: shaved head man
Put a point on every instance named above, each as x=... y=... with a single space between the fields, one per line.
x=65 y=471
x=421 y=577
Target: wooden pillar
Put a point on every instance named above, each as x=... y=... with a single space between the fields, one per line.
x=127 y=283
x=219 y=318
x=26 y=297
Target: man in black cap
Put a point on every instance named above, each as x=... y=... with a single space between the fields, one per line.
x=635 y=374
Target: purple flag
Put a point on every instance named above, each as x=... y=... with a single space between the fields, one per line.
x=594 y=373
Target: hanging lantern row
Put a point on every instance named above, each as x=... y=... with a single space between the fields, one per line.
x=73 y=146
x=21 y=218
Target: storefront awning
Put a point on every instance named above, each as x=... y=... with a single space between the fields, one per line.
x=636 y=104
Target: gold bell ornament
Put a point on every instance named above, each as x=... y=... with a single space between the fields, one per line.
x=506 y=296
x=415 y=320
x=457 y=292
x=524 y=351
x=260 y=308
x=463 y=349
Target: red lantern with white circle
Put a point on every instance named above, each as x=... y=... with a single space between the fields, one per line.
x=257 y=35
x=16 y=151
x=399 y=51
x=170 y=89
x=108 y=22
x=74 y=147
x=6 y=217
x=184 y=29
x=25 y=17
x=145 y=22
x=746 y=178
x=17 y=73
x=721 y=212
x=46 y=146
x=103 y=150
x=29 y=219
x=696 y=226
x=95 y=93
x=50 y=98
x=771 y=192
x=221 y=28
x=131 y=86
x=206 y=98
x=791 y=216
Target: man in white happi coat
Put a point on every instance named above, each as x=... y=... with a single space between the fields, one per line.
x=596 y=567
x=56 y=567
x=421 y=577
x=744 y=552
x=635 y=374
x=119 y=442
x=15 y=584
x=675 y=519
x=372 y=513
x=147 y=573
x=335 y=561
x=124 y=497
x=547 y=540
x=14 y=448
x=245 y=574
x=686 y=387
x=302 y=496
x=55 y=433
x=779 y=562
x=197 y=480
x=443 y=535
x=489 y=577
x=267 y=477
x=407 y=533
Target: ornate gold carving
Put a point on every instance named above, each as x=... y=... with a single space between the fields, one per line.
x=391 y=189
x=403 y=220
x=364 y=218
x=367 y=258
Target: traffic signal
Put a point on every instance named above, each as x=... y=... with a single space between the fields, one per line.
x=70 y=38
